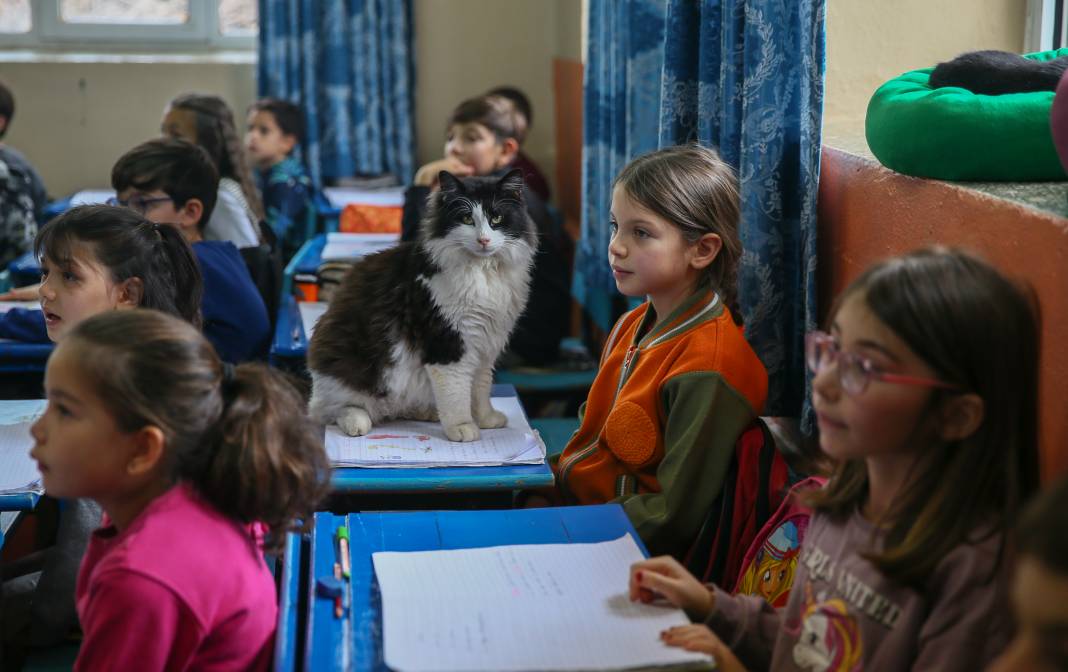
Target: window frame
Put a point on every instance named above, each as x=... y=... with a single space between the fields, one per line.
x=201 y=33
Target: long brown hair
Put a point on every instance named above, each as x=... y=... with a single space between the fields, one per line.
x=697 y=191
x=217 y=134
x=240 y=436
x=978 y=331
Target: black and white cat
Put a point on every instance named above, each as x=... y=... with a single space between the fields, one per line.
x=413 y=331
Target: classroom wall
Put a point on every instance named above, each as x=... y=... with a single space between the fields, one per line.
x=74 y=119
x=464 y=47
x=870 y=42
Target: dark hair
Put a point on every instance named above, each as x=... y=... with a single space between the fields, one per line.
x=978 y=331
x=176 y=167
x=697 y=191
x=7 y=107
x=240 y=436
x=217 y=134
x=287 y=115
x=1043 y=530
x=130 y=246
x=493 y=112
x=522 y=106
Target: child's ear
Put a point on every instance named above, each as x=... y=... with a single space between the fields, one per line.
x=705 y=250
x=509 y=150
x=149 y=443
x=131 y=292
x=191 y=212
x=289 y=141
x=960 y=416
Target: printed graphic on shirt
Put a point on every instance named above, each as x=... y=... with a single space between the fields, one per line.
x=828 y=639
x=771 y=572
x=856 y=593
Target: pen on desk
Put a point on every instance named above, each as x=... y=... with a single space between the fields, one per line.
x=343 y=550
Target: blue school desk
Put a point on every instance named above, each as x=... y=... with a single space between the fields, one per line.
x=355 y=641
x=24 y=270
x=18 y=357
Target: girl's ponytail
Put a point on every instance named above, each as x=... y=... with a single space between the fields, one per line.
x=174 y=284
x=240 y=436
x=266 y=461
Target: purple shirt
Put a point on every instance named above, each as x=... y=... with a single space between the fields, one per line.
x=183 y=587
x=843 y=614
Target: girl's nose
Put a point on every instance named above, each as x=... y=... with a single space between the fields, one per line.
x=45 y=290
x=37 y=430
x=615 y=248
x=825 y=381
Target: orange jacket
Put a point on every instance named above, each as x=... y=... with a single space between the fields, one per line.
x=662 y=417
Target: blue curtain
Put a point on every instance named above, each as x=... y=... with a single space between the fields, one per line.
x=349 y=64
x=746 y=77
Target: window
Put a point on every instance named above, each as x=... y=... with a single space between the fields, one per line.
x=159 y=24
x=1046 y=25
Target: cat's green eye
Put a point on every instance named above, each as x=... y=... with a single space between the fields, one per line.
x=496 y=220
x=468 y=220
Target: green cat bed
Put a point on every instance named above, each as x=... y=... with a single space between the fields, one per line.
x=953 y=134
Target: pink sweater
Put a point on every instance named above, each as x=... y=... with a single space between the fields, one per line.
x=184 y=587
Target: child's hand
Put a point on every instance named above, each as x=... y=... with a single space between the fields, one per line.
x=28 y=293
x=699 y=638
x=427 y=176
x=665 y=577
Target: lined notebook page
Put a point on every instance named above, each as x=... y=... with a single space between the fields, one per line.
x=524 y=607
x=411 y=443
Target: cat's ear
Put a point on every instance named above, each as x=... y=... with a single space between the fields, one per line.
x=449 y=183
x=512 y=184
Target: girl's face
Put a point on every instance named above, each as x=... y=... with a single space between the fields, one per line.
x=885 y=418
x=77 y=290
x=648 y=254
x=179 y=124
x=476 y=146
x=79 y=448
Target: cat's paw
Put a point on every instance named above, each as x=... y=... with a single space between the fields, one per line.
x=354 y=421
x=492 y=420
x=465 y=431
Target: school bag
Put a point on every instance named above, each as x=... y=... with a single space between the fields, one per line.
x=770 y=564
x=756 y=482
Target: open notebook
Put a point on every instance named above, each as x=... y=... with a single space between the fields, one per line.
x=351 y=246
x=410 y=443
x=18 y=472
x=521 y=607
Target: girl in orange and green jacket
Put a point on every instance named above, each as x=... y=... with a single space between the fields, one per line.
x=677 y=382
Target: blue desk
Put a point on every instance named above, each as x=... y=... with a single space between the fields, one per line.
x=355 y=642
x=305 y=262
x=289 y=343
x=288 y=637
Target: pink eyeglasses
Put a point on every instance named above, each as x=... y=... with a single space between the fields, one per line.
x=854 y=371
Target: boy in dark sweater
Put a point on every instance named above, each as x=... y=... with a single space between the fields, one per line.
x=175 y=182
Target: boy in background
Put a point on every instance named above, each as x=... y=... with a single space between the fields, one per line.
x=22 y=193
x=275 y=128
x=175 y=182
x=533 y=176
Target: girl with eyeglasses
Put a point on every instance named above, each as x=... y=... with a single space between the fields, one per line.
x=925 y=392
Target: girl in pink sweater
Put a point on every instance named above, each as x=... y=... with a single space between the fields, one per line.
x=197 y=465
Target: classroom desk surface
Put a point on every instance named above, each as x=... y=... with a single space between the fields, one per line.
x=355 y=641
x=289 y=341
